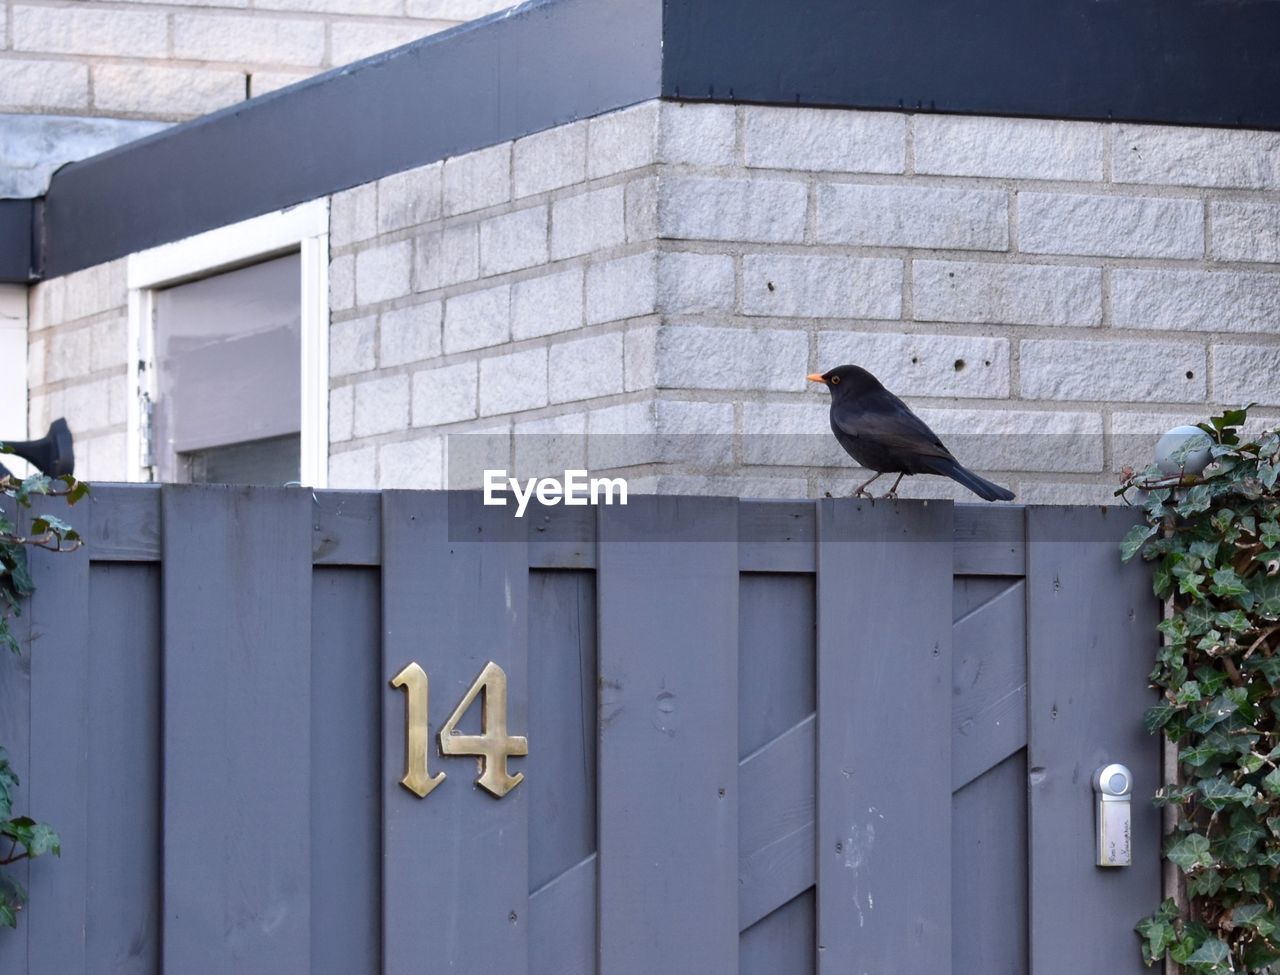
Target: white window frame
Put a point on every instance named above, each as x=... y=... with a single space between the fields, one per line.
x=304 y=228
x=15 y=404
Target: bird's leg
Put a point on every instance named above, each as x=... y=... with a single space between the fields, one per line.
x=862 y=492
x=893 y=491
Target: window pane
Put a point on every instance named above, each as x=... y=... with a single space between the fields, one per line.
x=228 y=359
x=270 y=462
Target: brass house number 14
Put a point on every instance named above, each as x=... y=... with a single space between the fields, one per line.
x=492 y=747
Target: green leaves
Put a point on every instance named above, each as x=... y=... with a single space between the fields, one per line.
x=1214 y=545
x=1190 y=853
x=1135 y=539
x=22 y=837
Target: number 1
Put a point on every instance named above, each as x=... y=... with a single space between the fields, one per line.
x=417 y=776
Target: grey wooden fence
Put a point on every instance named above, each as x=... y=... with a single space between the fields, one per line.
x=763 y=737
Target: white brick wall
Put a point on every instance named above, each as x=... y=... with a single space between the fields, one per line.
x=76 y=364
x=675 y=272
x=1008 y=276
x=178 y=59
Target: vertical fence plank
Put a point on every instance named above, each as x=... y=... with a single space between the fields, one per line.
x=455 y=864
x=668 y=817
x=1091 y=642
x=346 y=771
x=123 y=915
x=58 y=786
x=237 y=693
x=884 y=730
x=15 y=738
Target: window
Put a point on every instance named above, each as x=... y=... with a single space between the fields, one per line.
x=230 y=375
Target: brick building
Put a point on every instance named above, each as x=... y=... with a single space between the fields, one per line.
x=618 y=235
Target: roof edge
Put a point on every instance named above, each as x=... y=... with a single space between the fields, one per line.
x=538 y=65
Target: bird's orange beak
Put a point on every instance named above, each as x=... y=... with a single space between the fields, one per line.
x=815 y=377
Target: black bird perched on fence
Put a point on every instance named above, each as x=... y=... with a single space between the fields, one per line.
x=883 y=435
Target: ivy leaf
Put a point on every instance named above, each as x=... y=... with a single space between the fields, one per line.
x=1269 y=531
x=1214 y=951
x=1158 y=715
x=1191 y=852
x=1246 y=833
x=1269 y=668
x=1226 y=583
x=1206 y=549
x=1246 y=880
x=1271 y=782
x=1214 y=713
x=1172 y=795
x=1188 y=693
x=1198 y=499
x=1218 y=793
x=1266 y=592
x=1199 y=754
x=1157 y=932
x=1135 y=539
x=1197 y=616
x=1205 y=884
x=20 y=571
x=1234 y=621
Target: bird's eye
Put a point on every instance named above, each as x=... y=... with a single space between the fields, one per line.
x=835 y=380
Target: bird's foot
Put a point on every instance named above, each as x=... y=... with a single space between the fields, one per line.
x=863 y=493
x=891 y=495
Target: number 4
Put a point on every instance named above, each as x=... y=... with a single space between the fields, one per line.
x=493 y=746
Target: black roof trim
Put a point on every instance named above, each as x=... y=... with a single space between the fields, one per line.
x=17 y=223
x=539 y=65
x=548 y=62
x=1186 y=62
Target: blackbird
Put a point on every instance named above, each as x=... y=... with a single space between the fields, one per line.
x=883 y=435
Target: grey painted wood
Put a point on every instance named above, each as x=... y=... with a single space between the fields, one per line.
x=668 y=762
x=455 y=595
x=237 y=693
x=884 y=756
x=58 y=784
x=562 y=923
x=776 y=823
x=989 y=872
x=284 y=743
x=347 y=527
x=122 y=924
x=561 y=773
x=776 y=656
x=15 y=738
x=346 y=771
x=784 y=942
x=989 y=685
x=776 y=536
x=127 y=523
x=970 y=592
x=989 y=540
x=1091 y=630
x=561 y=537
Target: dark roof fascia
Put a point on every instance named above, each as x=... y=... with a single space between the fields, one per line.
x=17 y=251
x=1182 y=62
x=538 y=65
x=549 y=62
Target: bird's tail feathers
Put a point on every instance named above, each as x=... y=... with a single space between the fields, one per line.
x=980 y=486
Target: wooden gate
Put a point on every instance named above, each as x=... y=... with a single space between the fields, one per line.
x=763 y=737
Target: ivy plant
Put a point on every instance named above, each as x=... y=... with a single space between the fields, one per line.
x=1214 y=539
x=22 y=837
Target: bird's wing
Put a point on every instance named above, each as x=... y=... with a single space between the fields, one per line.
x=884 y=419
